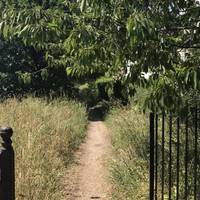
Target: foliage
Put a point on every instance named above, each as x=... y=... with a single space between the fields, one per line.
x=24 y=69
x=117 y=40
x=160 y=37
x=29 y=28
x=45 y=136
x=13 y=62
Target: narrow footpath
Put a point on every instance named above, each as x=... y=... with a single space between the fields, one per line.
x=88 y=177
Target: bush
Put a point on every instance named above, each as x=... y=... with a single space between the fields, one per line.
x=45 y=136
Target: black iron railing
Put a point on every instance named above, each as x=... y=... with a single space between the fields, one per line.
x=174 y=156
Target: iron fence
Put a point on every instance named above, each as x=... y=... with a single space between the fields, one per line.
x=174 y=155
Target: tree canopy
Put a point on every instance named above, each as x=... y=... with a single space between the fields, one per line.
x=110 y=41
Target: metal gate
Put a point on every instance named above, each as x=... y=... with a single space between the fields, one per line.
x=174 y=156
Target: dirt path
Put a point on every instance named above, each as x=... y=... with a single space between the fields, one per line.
x=88 y=178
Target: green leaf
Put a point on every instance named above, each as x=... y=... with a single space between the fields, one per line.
x=195 y=79
x=187 y=76
x=5 y=31
x=83 y=5
x=1 y=26
x=44 y=74
x=69 y=71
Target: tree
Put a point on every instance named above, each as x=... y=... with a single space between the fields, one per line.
x=39 y=28
x=110 y=41
x=160 y=37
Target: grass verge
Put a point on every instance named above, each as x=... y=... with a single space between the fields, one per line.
x=129 y=168
x=45 y=136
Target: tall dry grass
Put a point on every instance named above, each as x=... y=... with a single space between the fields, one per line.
x=129 y=168
x=45 y=135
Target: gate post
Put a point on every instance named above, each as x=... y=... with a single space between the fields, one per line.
x=151 y=167
x=7 y=170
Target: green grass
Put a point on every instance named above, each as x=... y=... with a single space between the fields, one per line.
x=45 y=137
x=129 y=168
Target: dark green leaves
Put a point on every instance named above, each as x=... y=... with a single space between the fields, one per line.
x=83 y=5
x=115 y=39
x=140 y=28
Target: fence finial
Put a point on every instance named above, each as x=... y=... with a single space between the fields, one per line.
x=6 y=134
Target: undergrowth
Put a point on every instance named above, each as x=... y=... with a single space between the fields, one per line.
x=129 y=129
x=129 y=168
x=45 y=136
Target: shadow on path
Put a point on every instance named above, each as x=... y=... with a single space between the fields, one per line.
x=98 y=112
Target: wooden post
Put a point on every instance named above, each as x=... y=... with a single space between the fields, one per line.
x=7 y=169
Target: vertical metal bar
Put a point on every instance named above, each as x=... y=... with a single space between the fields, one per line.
x=163 y=155
x=156 y=160
x=186 y=156
x=170 y=157
x=7 y=170
x=195 y=154
x=151 y=172
x=178 y=158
